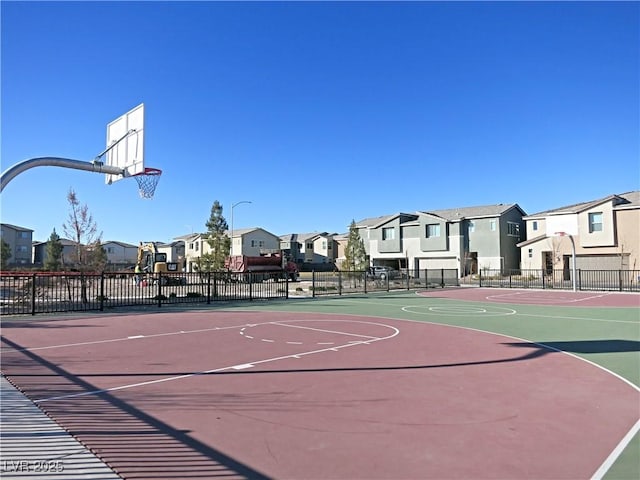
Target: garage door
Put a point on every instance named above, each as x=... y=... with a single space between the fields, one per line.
x=602 y=262
x=429 y=263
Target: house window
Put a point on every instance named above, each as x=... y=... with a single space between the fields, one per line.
x=261 y=243
x=324 y=244
x=492 y=225
x=309 y=246
x=111 y=250
x=22 y=248
x=471 y=227
x=513 y=229
x=595 y=222
x=388 y=233
x=253 y=243
x=23 y=235
x=534 y=225
x=531 y=253
x=433 y=230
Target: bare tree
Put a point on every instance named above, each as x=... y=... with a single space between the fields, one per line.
x=83 y=230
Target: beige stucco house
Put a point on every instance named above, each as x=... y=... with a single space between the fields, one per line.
x=606 y=234
x=246 y=241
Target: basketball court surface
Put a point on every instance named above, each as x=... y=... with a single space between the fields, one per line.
x=453 y=383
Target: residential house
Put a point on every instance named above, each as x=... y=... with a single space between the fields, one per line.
x=175 y=252
x=120 y=254
x=19 y=240
x=316 y=250
x=68 y=253
x=247 y=241
x=340 y=246
x=466 y=239
x=605 y=233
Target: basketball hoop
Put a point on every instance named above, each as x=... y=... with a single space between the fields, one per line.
x=147 y=181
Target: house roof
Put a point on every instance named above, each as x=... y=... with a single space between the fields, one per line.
x=65 y=242
x=377 y=221
x=123 y=244
x=531 y=240
x=457 y=214
x=621 y=201
x=15 y=227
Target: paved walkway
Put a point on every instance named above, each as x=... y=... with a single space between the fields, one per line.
x=33 y=446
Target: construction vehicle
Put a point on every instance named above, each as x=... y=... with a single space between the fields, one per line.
x=155 y=266
x=260 y=268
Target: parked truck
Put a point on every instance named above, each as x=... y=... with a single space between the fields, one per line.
x=261 y=268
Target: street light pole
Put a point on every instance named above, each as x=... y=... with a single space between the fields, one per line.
x=232 y=207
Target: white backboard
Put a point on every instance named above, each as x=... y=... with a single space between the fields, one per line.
x=567 y=224
x=128 y=154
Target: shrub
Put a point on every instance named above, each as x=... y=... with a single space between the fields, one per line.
x=193 y=294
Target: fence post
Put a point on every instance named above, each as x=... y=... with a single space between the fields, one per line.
x=480 y=277
x=159 y=290
x=313 y=283
x=102 y=291
x=442 y=278
x=286 y=285
x=339 y=282
x=33 y=294
x=209 y=286
x=620 y=279
x=365 y=281
x=543 y=281
x=579 y=279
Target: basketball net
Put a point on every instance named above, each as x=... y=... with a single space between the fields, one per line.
x=147 y=181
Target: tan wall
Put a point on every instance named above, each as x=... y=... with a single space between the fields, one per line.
x=604 y=238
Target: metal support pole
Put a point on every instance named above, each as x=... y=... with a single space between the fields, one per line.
x=18 y=168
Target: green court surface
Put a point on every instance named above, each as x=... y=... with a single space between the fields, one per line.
x=608 y=337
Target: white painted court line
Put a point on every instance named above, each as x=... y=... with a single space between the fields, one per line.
x=324 y=330
x=131 y=337
x=222 y=369
x=610 y=460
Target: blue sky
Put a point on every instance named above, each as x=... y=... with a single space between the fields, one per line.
x=319 y=112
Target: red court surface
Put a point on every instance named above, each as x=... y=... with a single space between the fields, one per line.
x=292 y=395
x=538 y=297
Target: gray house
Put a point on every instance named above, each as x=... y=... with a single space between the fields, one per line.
x=19 y=240
x=466 y=239
x=311 y=251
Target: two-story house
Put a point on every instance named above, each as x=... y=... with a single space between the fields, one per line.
x=316 y=250
x=605 y=233
x=246 y=241
x=19 y=240
x=69 y=248
x=120 y=254
x=465 y=239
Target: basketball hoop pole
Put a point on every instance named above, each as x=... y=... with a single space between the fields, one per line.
x=573 y=256
x=18 y=168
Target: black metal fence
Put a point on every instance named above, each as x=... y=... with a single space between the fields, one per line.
x=343 y=282
x=43 y=292
x=595 y=280
x=30 y=294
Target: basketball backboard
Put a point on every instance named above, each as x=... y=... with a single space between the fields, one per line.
x=566 y=224
x=125 y=144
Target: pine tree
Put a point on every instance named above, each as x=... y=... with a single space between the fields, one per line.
x=54 y=252
x=217 y=239
x=5 y=254
x=355 y=253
